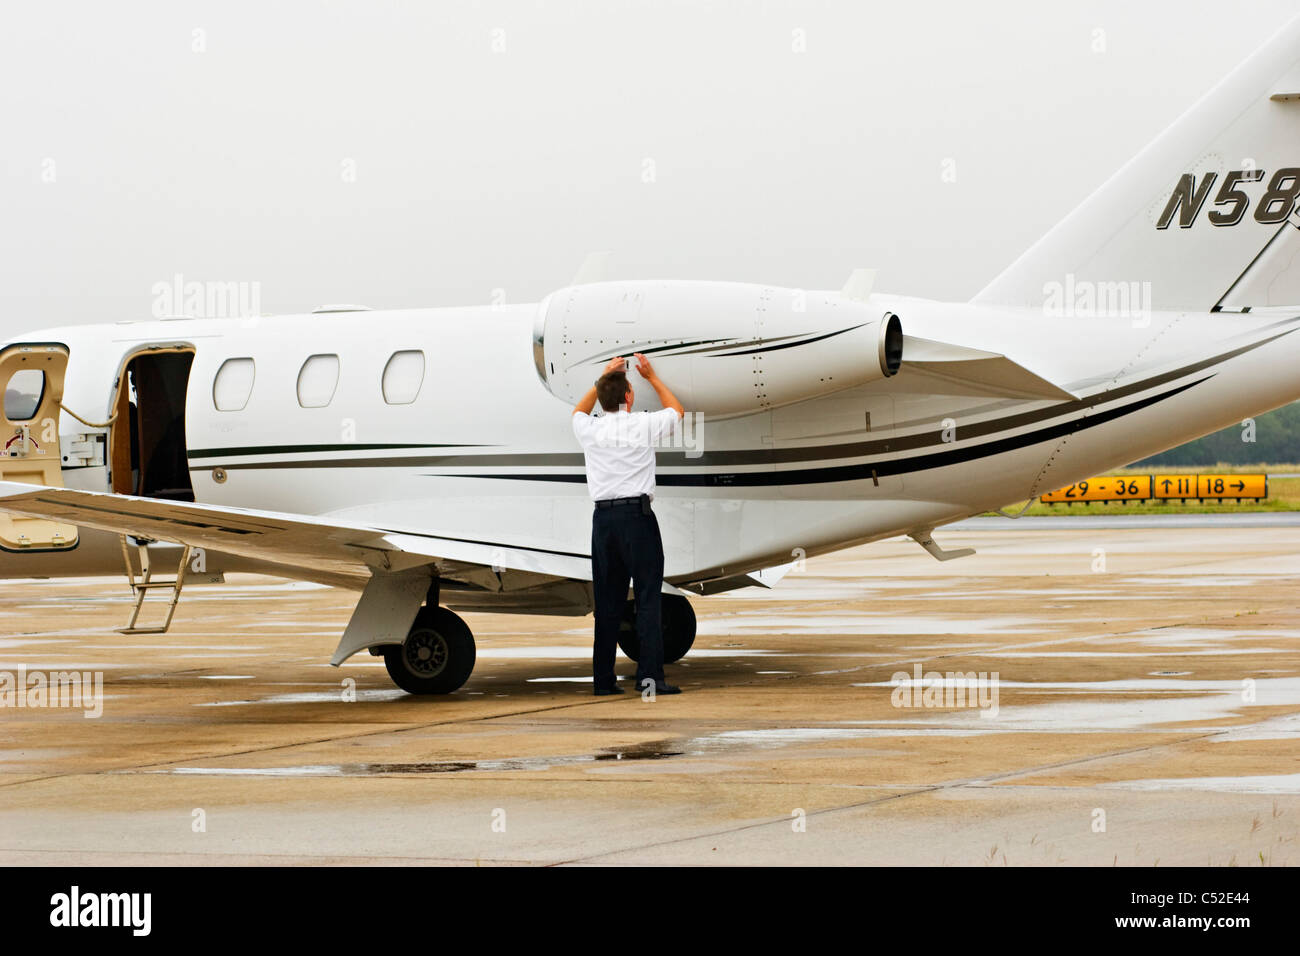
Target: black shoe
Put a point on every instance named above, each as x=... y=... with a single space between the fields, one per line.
x=661 y=687
x=606 y=691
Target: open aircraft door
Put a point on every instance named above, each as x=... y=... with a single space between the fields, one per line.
x=32 y=377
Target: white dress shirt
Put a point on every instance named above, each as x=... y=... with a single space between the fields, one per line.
x=619 y=448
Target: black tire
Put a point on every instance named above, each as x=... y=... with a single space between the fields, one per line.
x=437 y=656
x=678 y=623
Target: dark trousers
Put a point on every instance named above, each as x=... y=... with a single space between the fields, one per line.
x=625 y=544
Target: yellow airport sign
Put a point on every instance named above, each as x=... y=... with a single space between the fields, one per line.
x=1232 y=486
x=1104 y=488
x=1175 y=486
x=1160 y=488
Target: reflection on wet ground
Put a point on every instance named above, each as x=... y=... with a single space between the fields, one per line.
x=637 y=752
x=1166 y=690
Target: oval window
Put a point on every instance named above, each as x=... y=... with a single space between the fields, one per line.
x=317 y=381
x=403 y=376
x=23 y=394
x=233 y=384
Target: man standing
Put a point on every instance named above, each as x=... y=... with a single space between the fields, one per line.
x=619 y=448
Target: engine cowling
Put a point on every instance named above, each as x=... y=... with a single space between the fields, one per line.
x=724 y=348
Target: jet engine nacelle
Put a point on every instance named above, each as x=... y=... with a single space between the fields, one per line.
x=724 y=348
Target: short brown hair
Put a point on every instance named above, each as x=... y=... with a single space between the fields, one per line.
x=611 y=390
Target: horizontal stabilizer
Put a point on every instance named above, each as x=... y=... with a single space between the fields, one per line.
x=960 y=370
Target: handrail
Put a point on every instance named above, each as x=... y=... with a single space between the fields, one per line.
x=112 y=418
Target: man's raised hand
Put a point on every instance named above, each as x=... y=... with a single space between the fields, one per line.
x=666 y=397
x=643 y=366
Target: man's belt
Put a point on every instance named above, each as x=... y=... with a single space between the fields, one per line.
x=611 y=502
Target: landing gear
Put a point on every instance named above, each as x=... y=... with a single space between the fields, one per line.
x=437 y=656
x=678 y=623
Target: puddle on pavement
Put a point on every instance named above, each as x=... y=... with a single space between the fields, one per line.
x=1285 y=727
x=1212 y=652
x=867 y=623
x=1154 y=705
x=1179 y=636
x=659 y=750
x=181 y=645
x=1206 y=580
x=57 y=665
x=1278 y=783
x=333 y=696
x=721 y=744
x=583 y=652
x=1217 y=700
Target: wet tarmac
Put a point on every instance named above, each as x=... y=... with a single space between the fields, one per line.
x=1081 y=694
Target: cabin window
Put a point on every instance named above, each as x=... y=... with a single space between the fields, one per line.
x=403 y=376
x=317 y=380
x=233 y=385
x=23 y=394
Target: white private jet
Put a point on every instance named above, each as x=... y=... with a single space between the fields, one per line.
x=425 y=457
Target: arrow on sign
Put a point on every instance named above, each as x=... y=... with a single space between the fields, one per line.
x=1239 y=485
x=1164 y=484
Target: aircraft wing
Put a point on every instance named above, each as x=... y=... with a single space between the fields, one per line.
x=313 y=548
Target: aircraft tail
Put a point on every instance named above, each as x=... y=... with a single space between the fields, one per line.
x=1205 y=218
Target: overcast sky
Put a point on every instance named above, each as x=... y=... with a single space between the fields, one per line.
x=414 y=154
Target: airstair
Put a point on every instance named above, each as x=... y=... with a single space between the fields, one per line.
x=143 y=583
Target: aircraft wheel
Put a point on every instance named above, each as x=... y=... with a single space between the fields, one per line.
x=677 y=621
x=437 y=655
